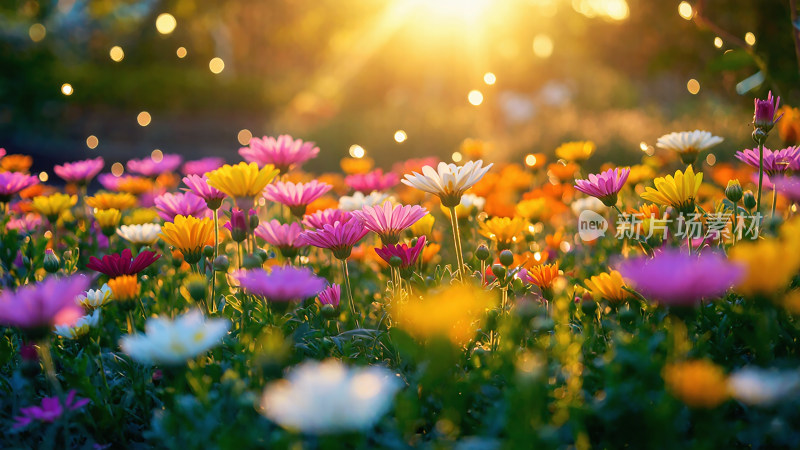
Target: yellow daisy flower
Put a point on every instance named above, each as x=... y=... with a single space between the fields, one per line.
x=608 y=286
x=108 y=219
x=52 y=206
x=108 y=200
x=504 y=231
x=242 y=181
x=679 y=191
x=189 y=235
x=141 y=216
x=124 y=288
x=576 y=151
x=423 y=226
x=770 y=265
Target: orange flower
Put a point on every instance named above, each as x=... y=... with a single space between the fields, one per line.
x=16 y=163
x=789 y=125
x=562 y=172
x=168 y=180
x=124 y=288
x=543 y=275
x=699 y=383
x=352 y=166
x=324 y=202
x=134 y=185
x=430 y=251
x=554 y=240
x=475 y=148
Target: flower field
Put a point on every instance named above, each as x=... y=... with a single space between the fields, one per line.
x=200 y=304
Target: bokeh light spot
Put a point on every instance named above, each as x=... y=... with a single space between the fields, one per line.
x=66 y=89
x=457 y=157
x=542 y=46
x=117 y=170
x=475 y=97
x=216 y=65
x=157 y=155
x=750 y=38
x=37 y=32
x=244 y=136
x=144 y=118
x=489 y=78
x=693 y=86
x=530 y=160
x=116 y=53
x=181 y=52
x=685 y=10
x=166 y=23
x=43 y=177
x=357 y=151
x=400 y=136
x=92 y=141
x=718 y=42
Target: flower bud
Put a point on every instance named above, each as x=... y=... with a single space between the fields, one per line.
x=221 y=263
x=395 y=261
x=329 y=312
x=734 y=191
x=749 y=200
x=506 y=258
x=589 y=307
x=197 y=287
x=261 y=254
x=51 y=262
x=499 y=272
x=482 y=253
x=251 y=262
x=254 y=219
x=239 y=225
x=208 y=251
x=177 y=258
x=759 y=136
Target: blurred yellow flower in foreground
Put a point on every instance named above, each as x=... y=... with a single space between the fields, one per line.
x=639 y=173
x=124 y=288
x=503 y=230
x=699 y=383
x=454 y=313
x=189 y=235
x=576 y=151
x=608 y=286
x=679 y=191
x=141 y=216
x=53 y=205
x=108 y=200
x=423 y=226
x=108 y=218
x=243 y=180
x=770 y=264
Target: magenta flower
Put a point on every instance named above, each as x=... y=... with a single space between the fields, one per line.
x=675 y=278
x=2 y=152
x=38 y=307
x=80 y=172
x=282 y=284
x=339 y=237
x=284 y=152
x=50 y=409
x=408 y=255
x=200 y=187
x=777 y=161
x=13 y=182
x=151 y=168
x=202 y=165
x=239 y=224
x=296 y=196
x=372 y=181
x=26 y=224
x=605 y=186
x=282 y=236
x=109 y=181
x=181 y=204
x=789 y=187
x=330 y=295
x=326 y=217
x=118 y=264
x=764 y=115
x=389 y=221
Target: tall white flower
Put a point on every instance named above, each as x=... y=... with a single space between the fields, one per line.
x=95 y=298
x=328 y=397
x=688 y=143
x=81 y=327
x=448 y=181
x=358 y=200
x=763 y=387
x=167 y=341
x=143 y=234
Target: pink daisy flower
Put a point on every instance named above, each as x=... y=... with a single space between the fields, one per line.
x=282 y=236
x=13 y=182
x=199 y=186
x=49 y=410
x=605 y=186
x=151 y=168
x=26 y=224
x=408 y=255
x=282 y=284
x=330 y=295
x=339 y=237
x=202 y=165
x=181 y=204
x=109 y=181
x=38 y=307
x=372 y=181
x=296 y=196
x=775 y=161
x=764 y=112
x=80 y=172
x=284 y=152
x=326 y=217
x=388 y=221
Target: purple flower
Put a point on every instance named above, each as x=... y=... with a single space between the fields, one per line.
x=50 y=409
x=789 y=187
x=13 y=182
x=282 y=284
x=777 y=161
x=605 y=186
x=330 y=295
x=109 y=181
x=181 y=204
x=408 y=255
x=202 y=165
x=150 y=167
x=676 y=278
x=339 y=237
x=326 y=217
x=284 y=152
x=388 y=221
x=282 y=236
x=372 y=181
x=200 y=187
x=26 y=224
x=80 y=172
x=43 y=305
x=239 y=225
x=764 y=115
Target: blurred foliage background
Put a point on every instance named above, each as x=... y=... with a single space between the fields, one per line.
x=343 y=73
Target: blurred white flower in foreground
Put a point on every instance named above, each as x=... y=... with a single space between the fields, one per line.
x=174 y=341
x=358 y=200
x=328 y=397
x=144 y=234
x=81 y=327
x=590 y=203
x=763 y=387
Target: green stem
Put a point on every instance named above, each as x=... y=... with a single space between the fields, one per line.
x=45 y=353
x=735 y=221
x=349 y=292
x=457 y=239
x=760 y=175
x=774 y=198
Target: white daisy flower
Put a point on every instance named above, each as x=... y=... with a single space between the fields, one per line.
x=328 y=397
x=470 y=201
x=81 y=327
x=688 y=143
x=448 y=181
x=144 y=234
x=95 y=298
x=358 y=200
x=167 y=341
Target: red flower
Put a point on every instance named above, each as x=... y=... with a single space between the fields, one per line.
x=118 y=264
